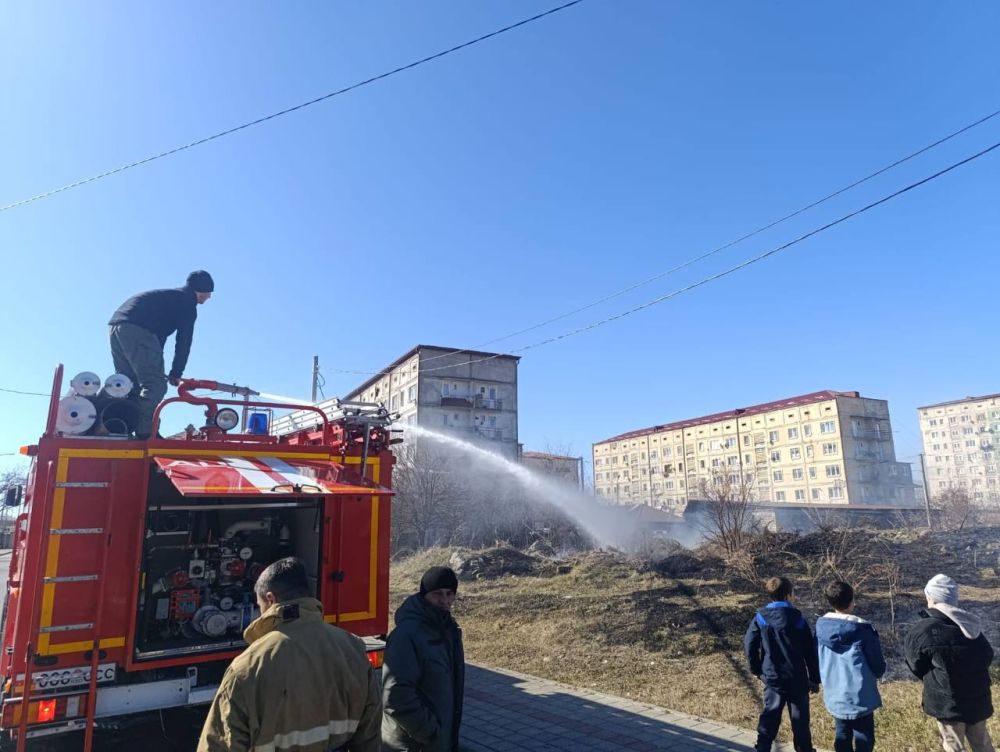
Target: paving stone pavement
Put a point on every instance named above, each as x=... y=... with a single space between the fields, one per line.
x=509 y=712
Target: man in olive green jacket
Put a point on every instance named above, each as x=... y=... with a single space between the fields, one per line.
x=302 y=685
x=424 y=671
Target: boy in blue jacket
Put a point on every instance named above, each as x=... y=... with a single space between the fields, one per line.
x=850 y=663
x=782 y=653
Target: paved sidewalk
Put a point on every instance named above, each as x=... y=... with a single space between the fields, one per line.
x=508 y=712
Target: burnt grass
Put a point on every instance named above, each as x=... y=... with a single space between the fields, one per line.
x=667 y=627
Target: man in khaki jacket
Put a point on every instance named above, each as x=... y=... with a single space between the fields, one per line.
x=302 y=685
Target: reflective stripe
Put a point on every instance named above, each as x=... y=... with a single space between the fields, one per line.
x=309 y=736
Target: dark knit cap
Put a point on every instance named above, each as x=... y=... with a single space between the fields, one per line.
x=200 y=281
x=437 y=578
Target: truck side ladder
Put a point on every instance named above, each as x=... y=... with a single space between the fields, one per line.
x=102 y=536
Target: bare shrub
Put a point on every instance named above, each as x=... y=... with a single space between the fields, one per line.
x=728 y=520
x=955 y=509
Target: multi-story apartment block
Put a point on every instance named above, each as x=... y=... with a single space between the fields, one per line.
x=468 y=394
x=961 y=444
x=566 y=469
x=820 y=448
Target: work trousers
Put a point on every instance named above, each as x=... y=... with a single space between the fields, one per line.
x=138 y=354
x=770 y=720
x=959 y=737
x=855 y=734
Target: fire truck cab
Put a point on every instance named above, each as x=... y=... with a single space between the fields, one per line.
x=133 y=564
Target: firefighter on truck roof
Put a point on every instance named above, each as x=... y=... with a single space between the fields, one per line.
x=139 y=331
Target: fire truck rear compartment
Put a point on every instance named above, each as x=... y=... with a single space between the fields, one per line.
x=201 y=559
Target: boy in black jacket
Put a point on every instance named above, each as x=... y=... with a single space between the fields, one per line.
x=782 y=653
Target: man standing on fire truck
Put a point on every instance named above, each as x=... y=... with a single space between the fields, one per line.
x=301 y=685
x=139 y=331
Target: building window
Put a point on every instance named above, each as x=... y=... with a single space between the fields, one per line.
x=833 y=471
x=807 y=430
x=775 y=455
x=815 y=494
x=835 y=493
x=797 y=473
x=793 y=434
x=772 y=437
x=809 y=451
x=812 y=473
x=829 y=448
x=779 y=495
x=827 y=426
x=413 y=393
x=794 y=453
x=800 y=494
x=778 y=476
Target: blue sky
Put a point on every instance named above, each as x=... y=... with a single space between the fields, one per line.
x=503 y=185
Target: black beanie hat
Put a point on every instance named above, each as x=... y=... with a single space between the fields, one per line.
x=200 y=281
x=437 y=578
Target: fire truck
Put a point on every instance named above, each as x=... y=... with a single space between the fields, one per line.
x=133 y=564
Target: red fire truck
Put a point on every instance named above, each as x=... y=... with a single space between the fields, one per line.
x=133 y=563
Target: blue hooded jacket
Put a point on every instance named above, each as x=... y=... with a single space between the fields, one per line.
x=850 y=662
x=780 y=649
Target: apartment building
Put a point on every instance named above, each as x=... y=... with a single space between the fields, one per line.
x=961 y=440
x=468 y=394
x=829 y=448
x=565 y=469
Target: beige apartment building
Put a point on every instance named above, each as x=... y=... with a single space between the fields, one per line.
x=829 y=448
x=961 y=440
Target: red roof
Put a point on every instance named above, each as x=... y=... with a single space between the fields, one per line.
x=804 y=399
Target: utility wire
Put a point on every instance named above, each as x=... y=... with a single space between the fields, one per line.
x=723 y=247
x=289 y=110
x=725 y=273
x=700 y=283
x=18 y=391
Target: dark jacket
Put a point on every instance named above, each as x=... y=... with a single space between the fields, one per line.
x=780 y=648
x=423 y=680
x=954 y=668
x=850 y=664
x=163 y=312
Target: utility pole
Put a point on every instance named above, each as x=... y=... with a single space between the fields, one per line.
x=315 y=379
x=927 y=491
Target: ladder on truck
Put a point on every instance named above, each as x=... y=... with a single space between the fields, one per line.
x=101 y=536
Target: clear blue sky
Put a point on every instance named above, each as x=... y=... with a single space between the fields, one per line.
x=501 y=186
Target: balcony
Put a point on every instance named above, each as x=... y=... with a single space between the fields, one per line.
x=454 y=400
x=485 y=403
x=494 y=434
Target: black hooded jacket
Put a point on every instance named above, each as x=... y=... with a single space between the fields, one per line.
x=423 y=680
x=781 y=650
x=954 y=668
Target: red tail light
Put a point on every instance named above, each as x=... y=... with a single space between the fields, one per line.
x=375 y=658
x=46 y=711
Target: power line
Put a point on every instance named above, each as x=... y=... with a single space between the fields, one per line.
x=721 y=248
x=303 y=105
x=18 y=391
x=706 y=280
x=731 y=270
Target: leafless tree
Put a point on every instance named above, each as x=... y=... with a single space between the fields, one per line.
x=429 y=494
x=955 y=508
x=729 y=518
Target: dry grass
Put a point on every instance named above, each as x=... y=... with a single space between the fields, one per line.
x=671 y=642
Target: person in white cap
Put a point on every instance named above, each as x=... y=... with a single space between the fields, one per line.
x=948 y=651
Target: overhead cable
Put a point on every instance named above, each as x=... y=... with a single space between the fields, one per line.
x=722 y=247
x=712 y=278
x=295 y=108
